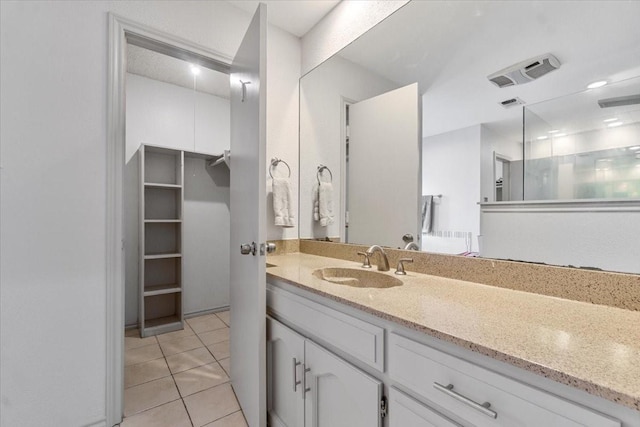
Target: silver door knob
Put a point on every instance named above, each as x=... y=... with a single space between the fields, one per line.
x=271 y=248
x=248 y=248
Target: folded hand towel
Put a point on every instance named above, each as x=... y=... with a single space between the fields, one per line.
x=316 y=204
x=427 y=214
x=282 y=208
x=325 y=203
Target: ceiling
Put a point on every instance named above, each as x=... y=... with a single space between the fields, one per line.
x=164 y=68
x=450 y=47
x=295 y=16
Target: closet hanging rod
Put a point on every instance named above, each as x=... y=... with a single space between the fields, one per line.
x=319 y=173
x=274 y=163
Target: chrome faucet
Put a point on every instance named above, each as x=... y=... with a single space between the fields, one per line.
x=412 y=246
x=383 y=264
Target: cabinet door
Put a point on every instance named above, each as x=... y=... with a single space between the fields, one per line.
x=405 y=411
x=339 y=394
x=285 y=396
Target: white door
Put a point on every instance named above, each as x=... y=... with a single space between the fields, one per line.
x=248 y=221
x=339 y=395
x=285 y=356
x=384 y=168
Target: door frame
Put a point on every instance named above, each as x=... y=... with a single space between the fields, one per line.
x=121 y=30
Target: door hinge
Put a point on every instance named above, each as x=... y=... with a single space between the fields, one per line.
x=383 y=407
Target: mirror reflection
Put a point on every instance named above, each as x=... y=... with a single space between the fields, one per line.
x=540 y=138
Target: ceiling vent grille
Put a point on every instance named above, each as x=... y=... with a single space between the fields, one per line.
x=525 y=71
x=508 y=103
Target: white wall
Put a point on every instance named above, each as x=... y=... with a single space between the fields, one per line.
x=283 y=74
x=53 y=215
x=564 y=234
x=162 y=114
x=451 y=167
x=321 y=98
x=345 y=23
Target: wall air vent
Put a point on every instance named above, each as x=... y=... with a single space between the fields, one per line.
x=525 y=71
x=508 y=103
x=619 y=101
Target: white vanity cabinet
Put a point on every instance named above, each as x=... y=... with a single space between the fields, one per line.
x=310 y=386
x=427 y=382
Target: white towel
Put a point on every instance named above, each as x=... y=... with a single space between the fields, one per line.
x=282 y=208
x=427 y=214
x=325 y=203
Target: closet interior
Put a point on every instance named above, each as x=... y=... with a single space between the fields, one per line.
x=176 y=191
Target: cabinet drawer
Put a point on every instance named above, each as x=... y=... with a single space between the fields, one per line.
x=462 y=388
x=405 y=411
x=355 y=337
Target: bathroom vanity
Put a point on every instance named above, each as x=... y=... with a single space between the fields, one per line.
x=441 y=352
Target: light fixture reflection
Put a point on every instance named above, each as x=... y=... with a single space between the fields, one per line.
x=540 y=138
x=597 y=84
x=613 y=119
x=614 y=124
x=195 y=70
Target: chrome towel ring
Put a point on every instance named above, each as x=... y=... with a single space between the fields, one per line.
x=274 y=163
x=322 y=168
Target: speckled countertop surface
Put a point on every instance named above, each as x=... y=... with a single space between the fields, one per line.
x=591 y=347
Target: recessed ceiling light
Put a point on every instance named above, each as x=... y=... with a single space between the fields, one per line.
x=559 y=135
x=613 y=119
x=540 y=138
x=195 y=70
x=596 y=85
x=614 y=124
x=554 y=131
x=635 y=147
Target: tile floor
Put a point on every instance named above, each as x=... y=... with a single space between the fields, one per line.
x=181 y=379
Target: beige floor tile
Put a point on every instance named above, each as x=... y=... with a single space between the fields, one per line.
x=149 y=395
x=145 y=372
x=226 y=365
x=204 y=324
x=211 y=405
x=180 y=345
x=132 y=339
x=186 y=332
x=200 y=378
x=142 y=354
x=234 y=420
x=225 y=316
x=213 y=337
x=171 y=414
x=189 y=360
x=219 y=350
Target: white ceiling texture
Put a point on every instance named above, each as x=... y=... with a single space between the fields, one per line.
x=450 y=47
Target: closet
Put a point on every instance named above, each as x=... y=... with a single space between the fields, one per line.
x=176 y=191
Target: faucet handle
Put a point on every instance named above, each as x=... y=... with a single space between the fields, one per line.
x=366 y=263
x=400 y=267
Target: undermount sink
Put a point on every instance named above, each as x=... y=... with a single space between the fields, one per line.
x=358 y=278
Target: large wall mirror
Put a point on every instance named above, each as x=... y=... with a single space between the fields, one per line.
x=405 y=142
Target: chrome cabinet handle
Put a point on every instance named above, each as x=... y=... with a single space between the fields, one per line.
x=295 y=374
x=304 y=378
x=483 y=408
x=271 y=247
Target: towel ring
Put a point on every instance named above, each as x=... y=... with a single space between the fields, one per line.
x=319 y=173
x=274 y=163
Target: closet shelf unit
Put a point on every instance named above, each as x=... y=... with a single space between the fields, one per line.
x=160 y=240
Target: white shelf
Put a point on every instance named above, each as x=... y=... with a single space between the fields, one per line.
x=162 y=256
x=161 y=185
x=162 y=221
x=150 y=291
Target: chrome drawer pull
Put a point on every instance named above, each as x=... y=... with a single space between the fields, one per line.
x=484 y=408
x=295 y=374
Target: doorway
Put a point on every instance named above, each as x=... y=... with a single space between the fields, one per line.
x=209 y=327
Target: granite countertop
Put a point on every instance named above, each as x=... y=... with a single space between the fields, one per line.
x=594 y=348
